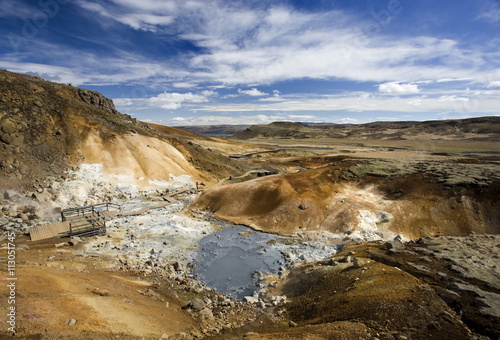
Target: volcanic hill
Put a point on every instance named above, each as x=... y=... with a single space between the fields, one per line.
x=47 y=128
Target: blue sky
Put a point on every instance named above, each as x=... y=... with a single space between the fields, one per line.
x=256 y=61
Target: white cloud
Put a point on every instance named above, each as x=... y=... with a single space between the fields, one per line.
x=166 y=100
x=17 y=9
x=347 y=120
x=491 y=11
x=172 y=100
x=398 y=88
x=253 y=92
x=486 y=102
x=135 y=17
x=494 y=83
x=222 y=120
x=63 y=74
x=303 y=118
x=453 y=98
x=415 y=102
x=184 y=85
x=447 y=80
x=272 y=99
x=209 y=93
x=149 y=5
x=260 y=43
x=123 y=102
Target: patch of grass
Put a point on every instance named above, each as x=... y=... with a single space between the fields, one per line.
x=192 y=296
x=382 y=169
x=113 y=119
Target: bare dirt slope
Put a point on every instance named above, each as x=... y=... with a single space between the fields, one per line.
x=364 y=199
x=55 y=286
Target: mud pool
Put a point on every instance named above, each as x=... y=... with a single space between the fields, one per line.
x=232 y=259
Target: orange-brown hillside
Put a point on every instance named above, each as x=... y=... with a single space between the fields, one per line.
x=336 y=200
x=46 y=128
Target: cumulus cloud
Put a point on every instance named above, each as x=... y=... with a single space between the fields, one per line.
x=253 y=92
x=209 y=93
x=494 y=83
x=173 y=100
x=259 y=42
x=398 y=88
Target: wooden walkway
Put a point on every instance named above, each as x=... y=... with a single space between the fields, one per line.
x=46 y=231
x=75 y=224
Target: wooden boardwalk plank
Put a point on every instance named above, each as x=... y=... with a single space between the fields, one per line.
x=42 y=232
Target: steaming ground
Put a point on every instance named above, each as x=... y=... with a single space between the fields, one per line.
x=172 y=233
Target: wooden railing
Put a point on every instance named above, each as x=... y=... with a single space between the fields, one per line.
x=86 y=210
x=92 y=224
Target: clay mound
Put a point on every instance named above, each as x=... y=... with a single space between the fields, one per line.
x=280 y=203
x=369 y=208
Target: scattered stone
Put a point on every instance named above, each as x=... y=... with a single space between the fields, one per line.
x=73 y=241
x=206 y=314
x=196 y=305
x=22 y=247
x=178 y=267
x=302 y=206
x=395 y=244
x=356 y=263
x=71 y=322
x=292 y=324
x=59 y=245
x=251 y=299
x=153 y=294
x=100 y=292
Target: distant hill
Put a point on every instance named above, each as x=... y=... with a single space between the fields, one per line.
x=215 y=130
x=482 y=128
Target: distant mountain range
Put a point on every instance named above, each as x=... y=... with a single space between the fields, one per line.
x=215 y=130
x=482 y=128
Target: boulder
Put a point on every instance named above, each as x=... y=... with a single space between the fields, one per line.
x=196 y=305
x=206 y=314
x=395 y=244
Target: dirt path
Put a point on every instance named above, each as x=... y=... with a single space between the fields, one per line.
x=56 y=286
